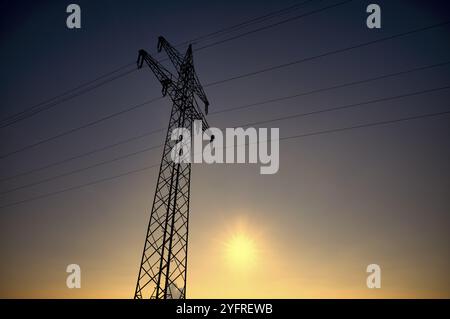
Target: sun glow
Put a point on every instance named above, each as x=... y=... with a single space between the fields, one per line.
x=241 y=251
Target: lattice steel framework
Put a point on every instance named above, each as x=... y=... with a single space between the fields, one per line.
x=162 y=273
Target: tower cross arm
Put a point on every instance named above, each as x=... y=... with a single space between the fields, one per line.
x=175 y=57
x=164 y=76
x=198 y=90
x=198 y=115
x=179 y=61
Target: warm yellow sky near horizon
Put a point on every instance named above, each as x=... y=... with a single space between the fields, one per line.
x=246 y=259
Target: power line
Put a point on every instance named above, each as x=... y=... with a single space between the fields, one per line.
x=373 y=124
x=347 y=106
x=247 y=124
x=48 y=106
x=328 y=53
x=66 y=160
x=274 y=25
x=333 y=87
x=19 y=117
x=322 y=132
x=421 y=68
x=246 y=23
x=134 y=107
x=79 y=170
x=42 y=105
x=34 y=109
x=81 y=186
x=232 y=79
x=310 y=58
x=236 y=108
x=15 y=118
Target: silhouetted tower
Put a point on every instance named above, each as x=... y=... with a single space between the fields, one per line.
x=162 y=273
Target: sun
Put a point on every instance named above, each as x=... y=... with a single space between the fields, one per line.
x=241 y=251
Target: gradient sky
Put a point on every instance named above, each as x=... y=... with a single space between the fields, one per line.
x=339 y=202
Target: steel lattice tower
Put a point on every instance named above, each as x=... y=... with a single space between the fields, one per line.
x=162 y=273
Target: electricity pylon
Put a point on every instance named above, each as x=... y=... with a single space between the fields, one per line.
x=162 y=273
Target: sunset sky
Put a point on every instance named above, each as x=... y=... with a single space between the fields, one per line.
x=340 y=201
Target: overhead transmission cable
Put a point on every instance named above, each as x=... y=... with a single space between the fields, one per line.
x=331 y=109
x=230 y=109
x=297 y=136
x=296 y=62
x=225 y=110
x=85 y=87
